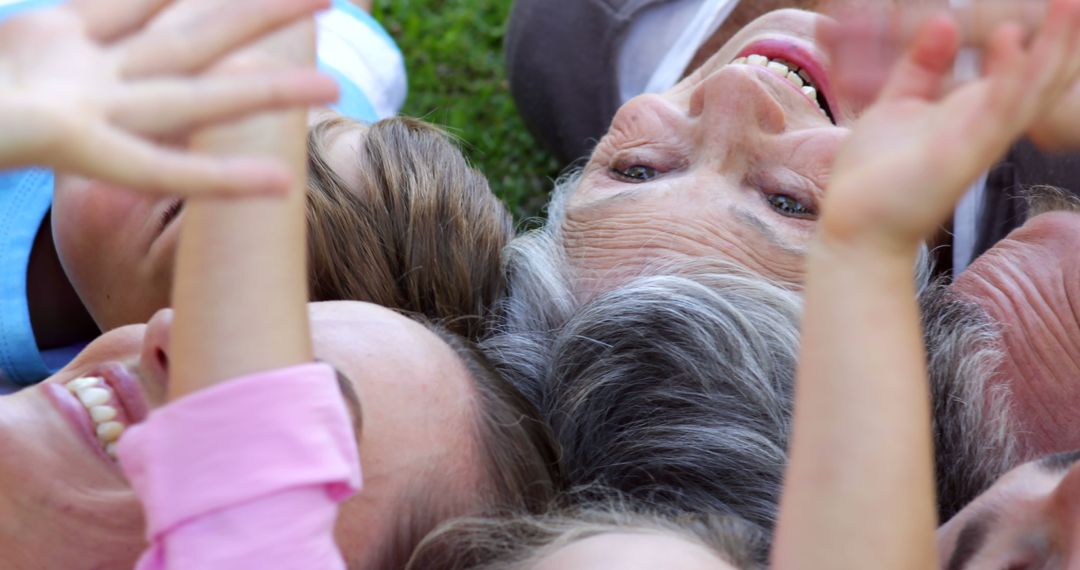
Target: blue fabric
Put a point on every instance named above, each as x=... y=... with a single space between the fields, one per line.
x=25 y=198
x=365 y=18
x=352 y=103
x=7 y=10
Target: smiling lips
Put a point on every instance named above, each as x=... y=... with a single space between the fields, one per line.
x=789 y=71
x=103 y=408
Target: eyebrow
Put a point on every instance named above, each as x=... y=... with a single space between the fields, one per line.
x=1059 y=462
x=352 y=401
x=970 y=541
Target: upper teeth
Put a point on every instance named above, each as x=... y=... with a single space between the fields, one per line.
x=97 y=398
x=798 y=77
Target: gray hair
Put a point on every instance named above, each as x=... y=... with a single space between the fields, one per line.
x=672 y=390
x=974 y=434
x=518 y=542
x=676 y=388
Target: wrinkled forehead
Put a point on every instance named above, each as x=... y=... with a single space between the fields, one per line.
x=680 y=226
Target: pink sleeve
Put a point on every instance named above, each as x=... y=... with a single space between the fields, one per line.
x=247 y=474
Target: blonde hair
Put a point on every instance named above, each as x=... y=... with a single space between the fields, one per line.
x=422 y=234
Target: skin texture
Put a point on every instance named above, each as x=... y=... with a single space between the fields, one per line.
x=1029 y=283
x=133 y=281
x=1029 y=519
x=417 y=407
x=861 y=384
x=723 y=142
x=631 y=551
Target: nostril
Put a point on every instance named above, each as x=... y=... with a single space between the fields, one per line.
x=162 y=359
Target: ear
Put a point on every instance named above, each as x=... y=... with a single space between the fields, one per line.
x=1064 y=512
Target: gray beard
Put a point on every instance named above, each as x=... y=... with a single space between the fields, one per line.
x=975 y=442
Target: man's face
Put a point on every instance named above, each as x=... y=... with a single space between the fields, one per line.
x=1029 y=283
x=730 y=164
x=65 y=504
x=1028 y=519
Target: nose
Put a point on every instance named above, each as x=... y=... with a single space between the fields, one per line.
x=154 y=361
x=733 y=102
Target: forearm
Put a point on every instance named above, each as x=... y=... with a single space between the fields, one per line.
x=240 y=289
x=861 y=448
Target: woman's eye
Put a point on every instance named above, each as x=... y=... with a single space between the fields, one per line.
x=637 y=173
x=789 y=206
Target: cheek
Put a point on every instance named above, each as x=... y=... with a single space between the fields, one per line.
x=86 y=212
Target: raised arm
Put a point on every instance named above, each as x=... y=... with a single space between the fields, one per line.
x=859 y=486
x=93 y=87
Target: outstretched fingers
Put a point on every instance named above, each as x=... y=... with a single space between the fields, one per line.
x=1028 y=81
x=112 y=155
x=927 y=65
x=106 y=21
x=168 y=107
x=197 y=33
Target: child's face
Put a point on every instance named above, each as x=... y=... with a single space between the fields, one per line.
x=117 y=248
x=632 y=551
x=413 y=394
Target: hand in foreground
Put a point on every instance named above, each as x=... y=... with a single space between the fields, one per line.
x=916 y=150
x=94 y=87
x=866 y=43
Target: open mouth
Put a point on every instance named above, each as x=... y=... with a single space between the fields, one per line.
x=796 y=66
x=101 y=406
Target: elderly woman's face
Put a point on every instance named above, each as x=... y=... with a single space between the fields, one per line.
x=65 y=504
x=729 y=165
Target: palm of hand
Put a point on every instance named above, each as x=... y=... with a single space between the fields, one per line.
x=915 y=152
x=909 y=160
x=54 y=81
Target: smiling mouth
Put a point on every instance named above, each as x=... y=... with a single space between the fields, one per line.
x=101 y=406
x=793 y=74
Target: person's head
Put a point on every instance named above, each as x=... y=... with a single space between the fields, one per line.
x=440 y=435
x=672 y=390
x=1030 y=518
x=1027 y=284
x=396 y=217
x=594 y=537
x=729 y=164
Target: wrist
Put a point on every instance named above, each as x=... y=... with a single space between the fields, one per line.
x=865 y=253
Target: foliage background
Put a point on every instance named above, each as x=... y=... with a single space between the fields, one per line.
x=457 y=79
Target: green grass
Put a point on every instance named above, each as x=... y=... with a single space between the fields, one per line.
x=457 y=79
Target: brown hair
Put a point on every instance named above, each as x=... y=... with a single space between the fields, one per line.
x=519 y=542
x=519 y=468
x=422 y=234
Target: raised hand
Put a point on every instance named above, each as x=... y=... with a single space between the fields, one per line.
x=100 y=88
x=916 y=150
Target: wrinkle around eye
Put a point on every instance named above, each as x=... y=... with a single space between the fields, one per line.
x=609 y=250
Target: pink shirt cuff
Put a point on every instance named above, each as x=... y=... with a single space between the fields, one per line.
x=282 y=438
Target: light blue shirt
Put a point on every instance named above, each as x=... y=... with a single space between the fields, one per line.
x=353 y=48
